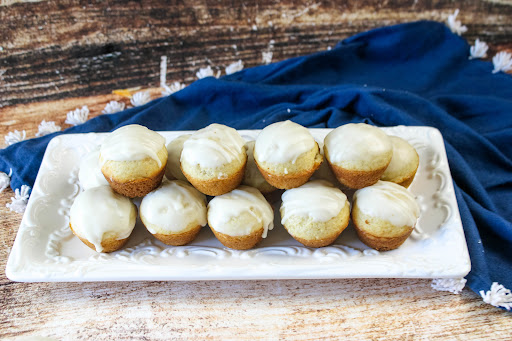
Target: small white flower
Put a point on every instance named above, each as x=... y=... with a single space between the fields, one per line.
x=46 y=128
x=498 y=296
x=174 y=87
x=206 y=72
x=112 y=107
x=502 y=61
x=19 y=201
x=234 y=67
x=479 y=50
x=163 y=71
x=5 y=180
x=266 y=56
x=453 y=285
x=140 y=98
x=77 y=116
x=15 y=137
x=455 y=25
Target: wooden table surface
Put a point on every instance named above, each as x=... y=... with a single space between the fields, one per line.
x=57 y=56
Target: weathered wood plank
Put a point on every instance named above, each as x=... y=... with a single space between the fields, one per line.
x=28 y=116
x=55 y=50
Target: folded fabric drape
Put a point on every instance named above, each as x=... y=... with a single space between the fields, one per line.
x=410 y=74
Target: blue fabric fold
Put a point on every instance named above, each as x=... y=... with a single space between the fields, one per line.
x=410 y=74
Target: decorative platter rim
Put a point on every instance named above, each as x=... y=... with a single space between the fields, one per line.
x=46 y=250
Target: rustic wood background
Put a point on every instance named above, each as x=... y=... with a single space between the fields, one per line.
x=56 y=56
x=62 y=49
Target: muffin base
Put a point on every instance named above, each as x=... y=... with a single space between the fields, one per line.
x=178 y=239
x=405 y=181
x=378 y=243
x=318 y=242
x=239 y=242
x=265 y=188
x=137 y=187
x=357 y=179
x=215 y=187
x=381 y=243
x=343 y=217
x=288 y=181
x=109 y=245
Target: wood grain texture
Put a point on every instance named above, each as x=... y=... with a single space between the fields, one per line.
x=62 y=49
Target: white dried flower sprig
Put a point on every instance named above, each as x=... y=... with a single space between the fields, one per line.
x=455 y=25
x=207 y=72
x=234 y=67
x=5 y=180
x=479 y=50
x=46 y=128
x=266 y=57
x=77 y=116
x=140 y=98
x=498 y=296
x=502 y=61
x=453 y=285
x=174 y=87
x=19 y=201
x=15 y=137
x=112 y=107
x=163 y=71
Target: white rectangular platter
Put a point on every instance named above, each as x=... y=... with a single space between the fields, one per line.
x=46 y=250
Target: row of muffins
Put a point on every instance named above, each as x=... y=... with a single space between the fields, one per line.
x=285 y=156
x=314 y=214
x=214 y=160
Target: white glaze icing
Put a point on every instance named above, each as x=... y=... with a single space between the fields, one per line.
x=283 y=142
x=403 y=154
x=213 y=146
x=130 y=143
x=356 y=141
x=90 y=174
x=231 y=205
x=388 y=201
x=174 y=149
x=318 y=200
x=99 y=210
x=173 y=206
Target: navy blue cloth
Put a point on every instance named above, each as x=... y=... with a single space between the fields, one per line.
x=410 y=74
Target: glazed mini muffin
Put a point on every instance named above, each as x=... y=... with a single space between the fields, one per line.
x=286 y=154
x=133 y=159
x=213 y=159
x=404 y=163
x=174 y=149
x=102 y=219
x=241 y=218
x=315 y=213
x=90 y=174
x=174 y=212
x=358 y=154
x=384 y=215
x=252 y=175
